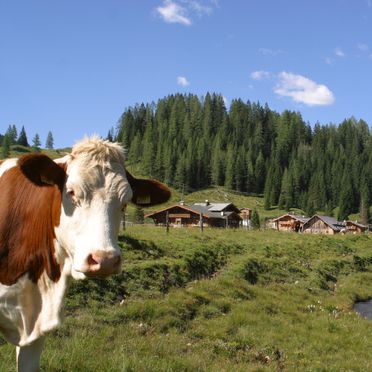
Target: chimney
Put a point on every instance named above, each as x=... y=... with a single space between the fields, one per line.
x=206 y=202
x=182 y=202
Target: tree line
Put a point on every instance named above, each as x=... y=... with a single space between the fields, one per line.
x=192 y=142
x=12 y=137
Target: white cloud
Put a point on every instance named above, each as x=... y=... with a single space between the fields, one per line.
x=363 y=47
x=172 y=12
x=198 y=8
x=339 y=52
x=328 y=61
x=269 y=52
x=259 y=75
x=226 y=101
x=182 y=11
x=303 y=90
x=182 y=81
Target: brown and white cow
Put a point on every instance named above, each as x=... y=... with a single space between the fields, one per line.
x=59 y=219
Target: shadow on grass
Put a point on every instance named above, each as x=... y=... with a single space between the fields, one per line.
x=147 y=247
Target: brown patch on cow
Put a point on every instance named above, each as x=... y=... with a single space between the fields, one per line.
x=30 y=206
x=148 y=192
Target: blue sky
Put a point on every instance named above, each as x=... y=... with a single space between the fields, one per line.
x=73 y=66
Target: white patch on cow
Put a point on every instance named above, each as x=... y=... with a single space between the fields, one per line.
x=7 y=164
x=29 y=310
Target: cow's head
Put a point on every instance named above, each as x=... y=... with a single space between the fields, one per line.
x=95 y=189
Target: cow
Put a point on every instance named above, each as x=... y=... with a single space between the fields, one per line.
x=60 y=220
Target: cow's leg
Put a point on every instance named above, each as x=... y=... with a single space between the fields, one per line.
x=28 y=357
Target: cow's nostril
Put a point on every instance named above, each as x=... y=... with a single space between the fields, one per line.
x=91 y=261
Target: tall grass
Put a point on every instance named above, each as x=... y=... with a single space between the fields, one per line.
x=224 y=300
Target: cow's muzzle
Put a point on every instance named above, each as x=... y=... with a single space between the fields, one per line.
x=102 y=264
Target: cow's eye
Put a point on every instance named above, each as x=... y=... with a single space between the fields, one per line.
x=71 y=194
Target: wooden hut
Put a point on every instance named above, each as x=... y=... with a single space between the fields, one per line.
x=289 y=222
x=354 y=227
x=210 y=214
x=323 y=225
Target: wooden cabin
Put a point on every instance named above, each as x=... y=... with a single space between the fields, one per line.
x=289 y=222
x=209 y=214
x=323 y=225
x=355 y=227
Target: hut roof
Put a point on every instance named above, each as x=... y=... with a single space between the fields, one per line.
x=302 y=219
x=329 y=221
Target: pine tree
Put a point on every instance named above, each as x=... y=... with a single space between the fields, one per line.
x=286 y=193
x=5 y=150
x=230 y=168
x=148 y=146
x=217 y=170
x=36 y=142
x=111 y=135
x=260 y=173
x=22 y=139
x=255 y=219
x=12 y=134
x=49 y=143
x=364 y=204
x=181 y=173
x=240 y=170
x=268 y=190
x=346 y=196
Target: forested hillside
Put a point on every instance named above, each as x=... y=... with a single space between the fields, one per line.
x=191 y=143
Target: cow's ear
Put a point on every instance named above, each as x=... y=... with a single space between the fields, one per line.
x=148 y=192
x=42 y=170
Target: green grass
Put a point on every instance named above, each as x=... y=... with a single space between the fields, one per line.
x=221 y=300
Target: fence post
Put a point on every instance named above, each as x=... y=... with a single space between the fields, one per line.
x=123 y=220
x=167 y=221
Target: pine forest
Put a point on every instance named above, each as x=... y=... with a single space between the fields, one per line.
x=192 y=142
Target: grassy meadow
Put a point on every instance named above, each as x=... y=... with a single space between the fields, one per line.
x=222 y=300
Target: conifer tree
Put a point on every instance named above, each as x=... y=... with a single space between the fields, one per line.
x=286 y=193
x=5 y=149
x=12 y=134
x=22 y=139
x=230 y=168
x=49 y=143
x=260 y=173
x=346 y=197
x=255 y=219
x=217 y=163
x=364 y=204
x=36 y=142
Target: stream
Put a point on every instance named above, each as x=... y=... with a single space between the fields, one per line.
x=364 y=308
